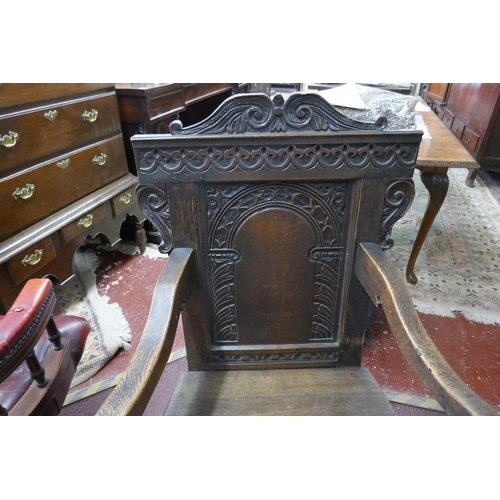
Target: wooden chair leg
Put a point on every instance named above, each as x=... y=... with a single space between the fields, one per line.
x=36 y=370
x=54 y=335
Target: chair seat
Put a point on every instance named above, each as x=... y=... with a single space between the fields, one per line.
x=299 y=392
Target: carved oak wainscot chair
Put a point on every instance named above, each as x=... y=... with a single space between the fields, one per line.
x=276 y=213
x=39 y=352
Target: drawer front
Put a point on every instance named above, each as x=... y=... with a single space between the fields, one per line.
x=470 y=140
x=84 y=224
x=123 y=202
x=22 y=94
x=49 y=187
x=457 y=128
x=31 y=261
x=448 y=118
x=47 y=130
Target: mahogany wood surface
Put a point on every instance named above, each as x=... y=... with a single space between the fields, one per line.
x=436 y=155
x=151 y=107
x=472 y=112
x=62 y=163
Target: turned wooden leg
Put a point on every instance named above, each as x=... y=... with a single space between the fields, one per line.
x=437 y=183
x=140 y=236
x=471 y=177
x=36 y=370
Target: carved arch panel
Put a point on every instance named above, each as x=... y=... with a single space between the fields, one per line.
x=320 y=206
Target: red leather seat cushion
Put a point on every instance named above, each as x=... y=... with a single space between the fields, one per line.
x=73 y=329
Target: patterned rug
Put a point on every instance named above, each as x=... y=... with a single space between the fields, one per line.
x=110 y=330
x=458 y=268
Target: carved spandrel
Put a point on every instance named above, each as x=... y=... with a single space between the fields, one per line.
x=398 y=199
x=254 y=113
x=153 y=201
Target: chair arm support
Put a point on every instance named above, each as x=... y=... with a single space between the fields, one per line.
x=386 y=287
x=132 y=394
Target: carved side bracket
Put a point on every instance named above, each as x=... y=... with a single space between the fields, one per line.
x=153 y=201
x=398 y=198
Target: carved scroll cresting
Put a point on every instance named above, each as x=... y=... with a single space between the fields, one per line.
x=153 y=201
x=253 y=113
x=398 y=198
x=321 y=204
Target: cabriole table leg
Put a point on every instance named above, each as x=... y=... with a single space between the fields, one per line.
x=436 y=181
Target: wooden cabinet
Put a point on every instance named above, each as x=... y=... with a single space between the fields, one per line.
x=472 y=112
x=436 y=95
x=63 y=178
x=149 y=108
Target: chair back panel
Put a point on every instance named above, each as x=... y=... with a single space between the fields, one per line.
x=274 y=197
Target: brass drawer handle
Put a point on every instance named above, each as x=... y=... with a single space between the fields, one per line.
x=9 y=140
x=90 y=116
x=99 y=160
x=50 y=115
x=64 y=163
x=86 y=221
x=468 y=140
x=25 y=192
x=125 y=199
x=33 y=259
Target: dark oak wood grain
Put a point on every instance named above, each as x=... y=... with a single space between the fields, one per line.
x=387 y=289
x=131 y=395
x=306 y=392
x=283 y=205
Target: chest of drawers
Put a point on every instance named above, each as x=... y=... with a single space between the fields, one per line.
x=63 y=178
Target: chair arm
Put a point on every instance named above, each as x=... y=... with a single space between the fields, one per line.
x=386 y=287
x=24 y=323
x=131 y=395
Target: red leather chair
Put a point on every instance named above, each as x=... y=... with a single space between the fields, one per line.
x=39 y=352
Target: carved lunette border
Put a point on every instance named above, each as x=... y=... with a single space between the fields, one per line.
x=198 y=160
x=322 y=205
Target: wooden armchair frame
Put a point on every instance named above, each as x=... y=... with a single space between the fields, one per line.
x=278 y=163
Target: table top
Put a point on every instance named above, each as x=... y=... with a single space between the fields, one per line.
x=444 y=149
